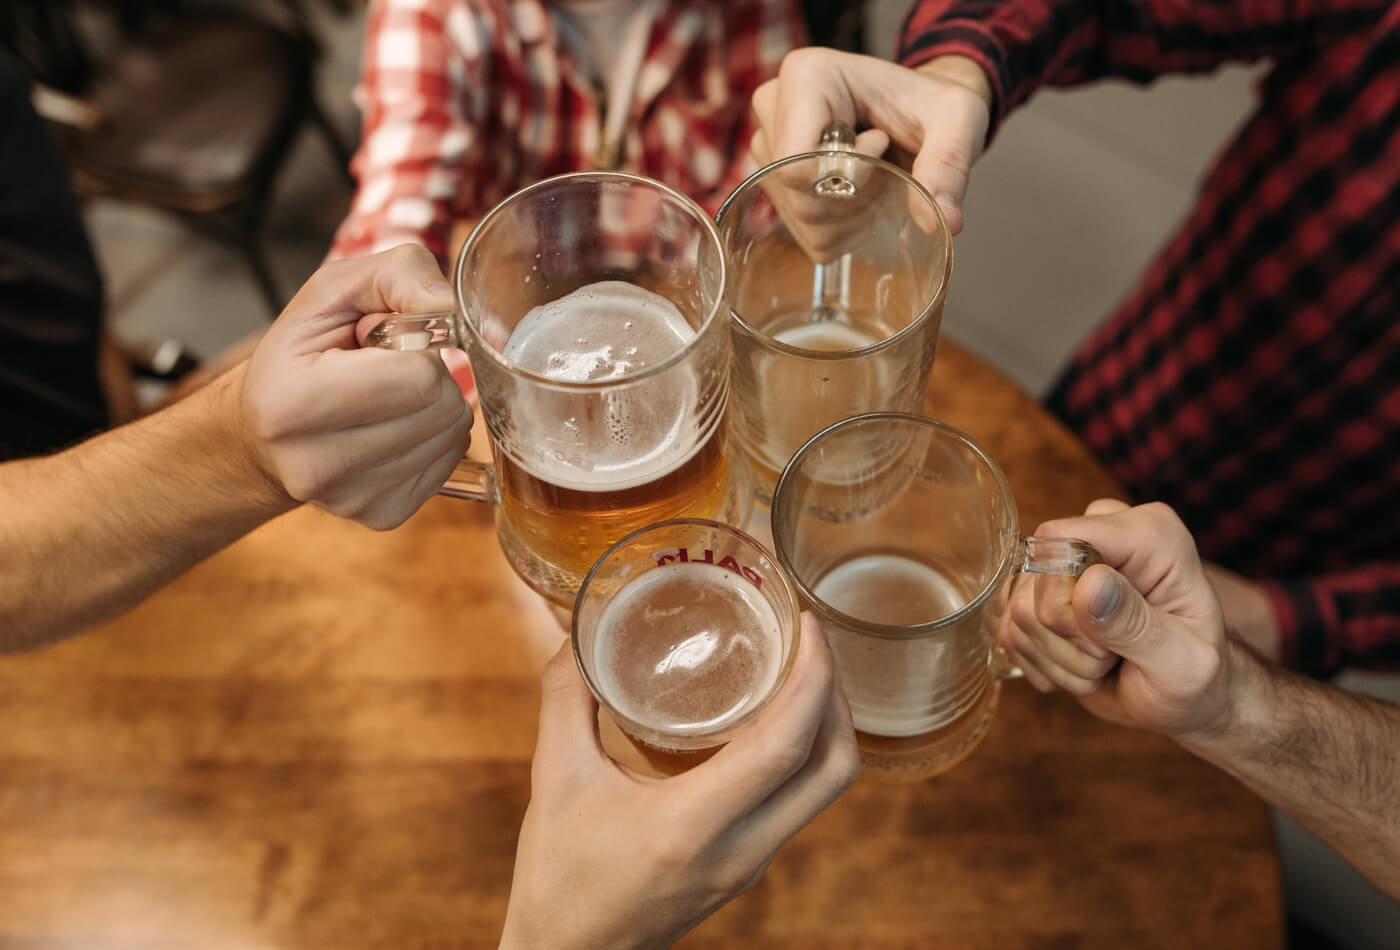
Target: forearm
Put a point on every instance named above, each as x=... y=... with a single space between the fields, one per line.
x=1323 y=756
x=1023 y=45
x=90 y=532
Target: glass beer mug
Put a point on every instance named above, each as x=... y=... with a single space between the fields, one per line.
x=902 y=535
x=591 y=306
x=839 y=267
x=684 y=631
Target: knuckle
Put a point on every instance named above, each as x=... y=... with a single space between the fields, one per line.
x=422 y=380
x=846 y=764
x=803 y=62
x=559 y=673
x=786 y=758
x=1022 y=611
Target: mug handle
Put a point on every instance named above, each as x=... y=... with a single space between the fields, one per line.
x=1066 y=557
x=418 y=331
x=833 y=281
x=473 y=480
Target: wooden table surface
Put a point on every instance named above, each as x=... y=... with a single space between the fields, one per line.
x=320 y=738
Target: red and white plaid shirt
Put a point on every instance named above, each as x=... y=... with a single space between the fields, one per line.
x=466 y=101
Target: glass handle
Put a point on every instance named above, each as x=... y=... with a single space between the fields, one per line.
x=834 y=179
x=1064 y=556
x=1003 y=668
x=472 y=480
x=418 y=331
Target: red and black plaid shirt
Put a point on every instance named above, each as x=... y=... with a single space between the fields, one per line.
x=466 y=101
x=1252 y=380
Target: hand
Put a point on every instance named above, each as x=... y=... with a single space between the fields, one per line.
x=611 y=859
x=1176 y=672
x=939 y=114
x=368 y=434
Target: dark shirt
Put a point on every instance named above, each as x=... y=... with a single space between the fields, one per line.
x=50 y=290
x=1252 y=380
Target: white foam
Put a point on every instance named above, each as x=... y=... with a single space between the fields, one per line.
x=701 y=668
x=608 y=330
x=895 y=687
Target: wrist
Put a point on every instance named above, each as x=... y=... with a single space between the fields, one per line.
x=1245 y=715
x=245 y=466
x=960 y=70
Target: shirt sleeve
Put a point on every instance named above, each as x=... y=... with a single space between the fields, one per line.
x=763 y=32
x=1024 y=44
x=421 y=93
x=1331 y=622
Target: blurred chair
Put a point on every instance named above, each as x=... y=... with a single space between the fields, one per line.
x=188 y=107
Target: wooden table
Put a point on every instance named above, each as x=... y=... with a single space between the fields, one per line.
x=321 y=739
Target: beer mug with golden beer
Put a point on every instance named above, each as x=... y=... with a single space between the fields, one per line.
x=839 y=266
x=901 y=534
x=684 y=631
x=591 y=306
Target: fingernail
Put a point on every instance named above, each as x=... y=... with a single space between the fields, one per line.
x=946 y=200
x=814 y=628
x=438 y=287
x=1089 y=649
x=1106 y=600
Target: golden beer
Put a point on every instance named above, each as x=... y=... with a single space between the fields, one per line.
x=684 y=652
x=903 y=723
x=604 y=468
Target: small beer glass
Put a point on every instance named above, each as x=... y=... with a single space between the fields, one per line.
x=684 y=631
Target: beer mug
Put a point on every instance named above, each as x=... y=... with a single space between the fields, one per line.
x=902 y=536
x=839 y=267
x=684 y=631
x=591 y=306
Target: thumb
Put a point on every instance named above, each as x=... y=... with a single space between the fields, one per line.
x=1113 y=614
x=568 y=743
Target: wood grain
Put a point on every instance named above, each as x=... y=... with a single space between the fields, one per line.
x=320 y=738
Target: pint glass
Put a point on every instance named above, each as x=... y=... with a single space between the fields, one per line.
x=839 y=266
x=902 y=535
x=591 y=306
x=684 y=631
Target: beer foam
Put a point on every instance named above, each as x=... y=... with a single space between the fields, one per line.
x=608 y=330
x=893 y=686
x=686 y=648
x=890 y=589
x=605 y=330
x=827 y=336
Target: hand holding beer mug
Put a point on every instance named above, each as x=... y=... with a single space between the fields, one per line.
x=684 y=631
x=591 y=307
x=609 y=858
x=839 y=266
x=902 y=535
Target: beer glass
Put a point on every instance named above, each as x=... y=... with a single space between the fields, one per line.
x=684 y=631
x=902 y=535
x=839 y=266
x=591 y=308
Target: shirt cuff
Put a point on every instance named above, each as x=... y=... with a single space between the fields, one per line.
x=1304 y=621
x=959 y=40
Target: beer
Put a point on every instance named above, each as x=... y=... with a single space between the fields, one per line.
x=683 y=652
x=794 y=397
x=602 y=469
x=898 y=715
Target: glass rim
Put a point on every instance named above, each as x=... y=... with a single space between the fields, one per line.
x=885 y=630
x=709 y=232
x=789 y=589
x=939 y=294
